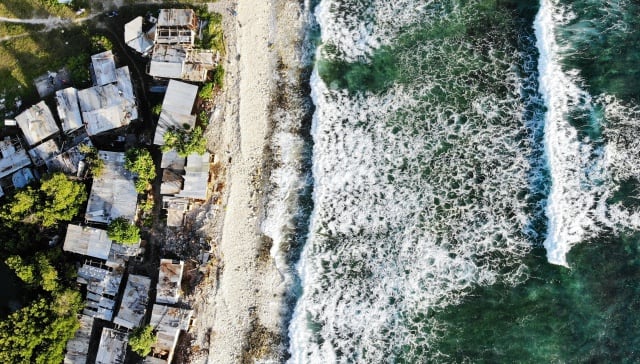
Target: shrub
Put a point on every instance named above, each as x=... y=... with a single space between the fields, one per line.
x=206 y=92
x=141 y=340
x=100 y=43
x=156 y=109
x=91 y=158
x=184 y=142
x=218 y=76
x=122 y=231
x=139 y=162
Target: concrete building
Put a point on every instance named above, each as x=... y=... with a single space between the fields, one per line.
x=169 y=279
x=37 y=123
x=113 y=347
x=176 y=26
x=168 y=321
x=134 y=302
x=177 y=61
x=69 y=109
x=196 y=178
x=70 y=161
x=103 y=283
x=113 y=193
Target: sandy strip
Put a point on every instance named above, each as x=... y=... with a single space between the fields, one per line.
x=248 y=291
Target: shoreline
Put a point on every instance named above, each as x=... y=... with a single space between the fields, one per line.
x=242 y=307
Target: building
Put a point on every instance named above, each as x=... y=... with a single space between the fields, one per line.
x=176 y=26
x=113 y=347
x=103 y=67
x=103 y=283
x=78 y=346
x=69 y=109
x=177 y=61
x=85 y=240
x=37 y=123
x=176 y=109
x=136 y=38
x=168 y=322
x=169 y=278
x=44 y=152
x=196 y=178
x=134 y=302
x=109 y=106
x=12 y=156
x=113 y=193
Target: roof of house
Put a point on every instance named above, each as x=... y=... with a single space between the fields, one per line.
x=171 y=182
x=113 y=193
x=176 y=61
x=87 y=240
x=78 y=346
x=103 y=283
x=135 y=38
x=176 y=208
x=168 y=321
x=22 y=177
x=12 y=156
x=173 y=161
x=104 y=68
x=134 y=302
x=176 y=109
x=44 y=152
x=37 y=123
x=176 y=17
x=169 y=278
x=113 y=347
x=196 y=178
x=68 y=109
x=110 y=106
x=125 y=88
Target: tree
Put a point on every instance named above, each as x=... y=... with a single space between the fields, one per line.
x=122 y=231
x=62 y=199
x=156 y=109
x=36 y=271
x=100 y=43
x=139 y=162
x=78 y=67
x=141 y=340
x=26 y=272
x=91 y=158
x=184 y=142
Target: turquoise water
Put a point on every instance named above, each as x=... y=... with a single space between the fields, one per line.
x=459 y=149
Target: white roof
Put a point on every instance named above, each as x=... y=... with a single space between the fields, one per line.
x=87 y=240
x=134 y=302
x=12 y=157
x=135 y=37
x=165 y=69
x=113 y=193
x=37 y=123
x=68 y=109
x=179 y=97
x=176 y=17
x=172 y=160
x=125 y=88
x=113 y=347
x=104 y=68
x=169 y=278
x=78 y=346
x=196 y=178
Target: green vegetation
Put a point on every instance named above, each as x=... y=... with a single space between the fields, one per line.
x=141 y=340
x=91 y=158
x=212 y=35
x=146 y=205
x=206 y=91
x=140 y=162
x=37 y=8
x=185 y=142
x=39 y=271
x=156 y=109
x=122 y=231
x=100 y=43
x=57 y=199
x=218 y=76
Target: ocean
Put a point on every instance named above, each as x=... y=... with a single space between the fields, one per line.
x=473 y=185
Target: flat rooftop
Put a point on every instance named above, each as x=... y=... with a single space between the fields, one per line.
x=104 y=68
x=88 y=241
x=134 y=302
x=113 y=193
x=113 y=347
x=69 y=109
x=12 y=156
x=169 y=278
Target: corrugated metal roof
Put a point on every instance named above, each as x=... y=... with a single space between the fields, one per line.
x=196 y=178
x=113 y=193
x=44 y=152
x=68 y=109
x=12 y=157
x=104 y=68
x=165 y=69
x=168 y=120
x=176 y=17
x=87 y=240
x=78 y=346
x=173 y=161
x=179 y=97
x=169 y=278
x=37 y=123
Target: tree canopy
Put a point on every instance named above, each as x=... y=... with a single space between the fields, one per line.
x=139 y=161
x=141 y=340
x=57 y=199
x=122 y=231
x=184 y=142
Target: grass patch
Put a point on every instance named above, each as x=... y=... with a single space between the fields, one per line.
x=34 y=8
